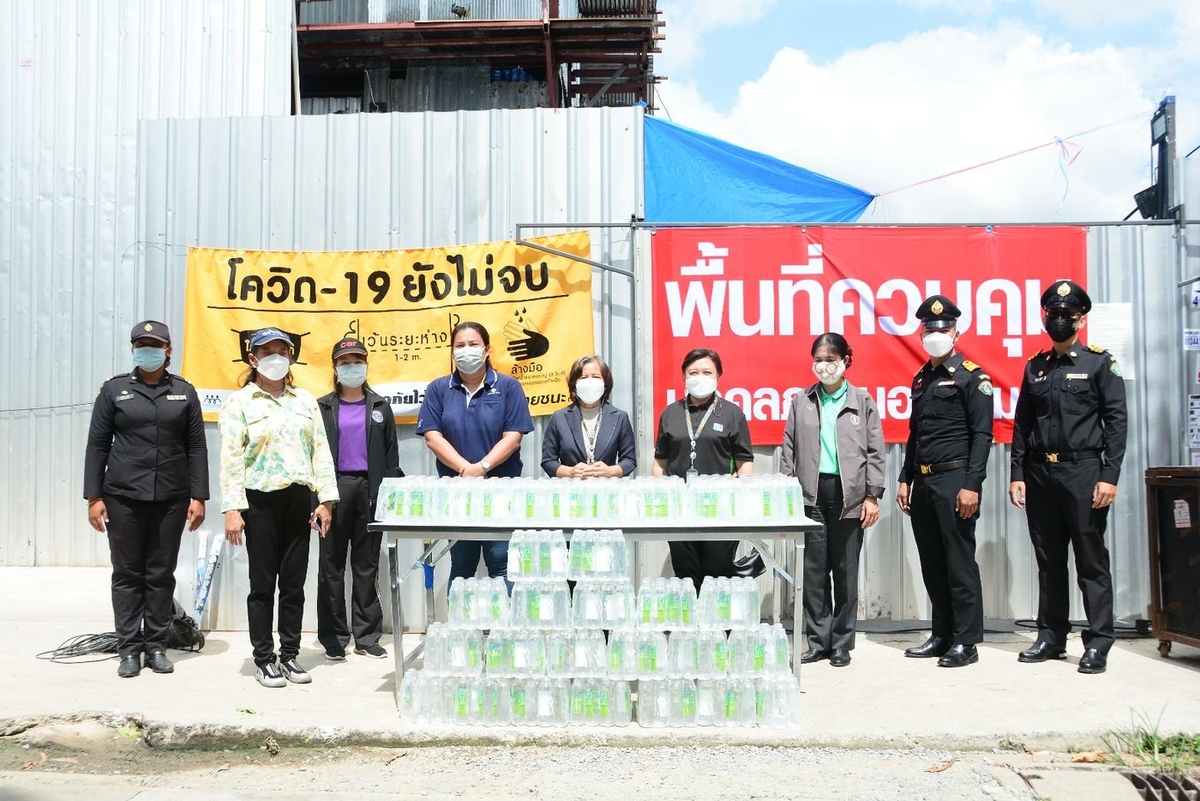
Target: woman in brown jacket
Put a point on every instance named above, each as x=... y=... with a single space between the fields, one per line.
x=833 y=444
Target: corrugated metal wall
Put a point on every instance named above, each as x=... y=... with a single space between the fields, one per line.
x=1126 y=264
x=332 y=12
x=75 y=78
x=467 y=88
x=387 y=181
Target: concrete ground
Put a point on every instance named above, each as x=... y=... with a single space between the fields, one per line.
x=881 y=701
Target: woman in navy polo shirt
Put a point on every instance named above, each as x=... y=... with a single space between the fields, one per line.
x=473 y=421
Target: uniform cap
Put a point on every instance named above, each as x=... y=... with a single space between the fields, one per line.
x=150 y=329
x=1066 y=295
x=264 y=335
x=938 y=311
x=347 y=346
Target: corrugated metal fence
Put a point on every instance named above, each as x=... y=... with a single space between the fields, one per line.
x=75 y=79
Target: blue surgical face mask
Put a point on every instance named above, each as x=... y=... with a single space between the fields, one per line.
x=351 y=375
x=149 y=359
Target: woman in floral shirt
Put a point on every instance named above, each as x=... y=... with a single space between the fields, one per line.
x=274 y=456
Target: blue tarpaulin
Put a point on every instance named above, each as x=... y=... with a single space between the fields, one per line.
x=695 y=178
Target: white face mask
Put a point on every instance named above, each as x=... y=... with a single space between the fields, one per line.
x=700 y=386
x=829 y=372
x=352 y=375
x=589 y=390
x=469 y=358
x=938 y=344
x=275 y=367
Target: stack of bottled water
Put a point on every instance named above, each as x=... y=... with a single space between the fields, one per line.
x=591 y=504
x=708 y=678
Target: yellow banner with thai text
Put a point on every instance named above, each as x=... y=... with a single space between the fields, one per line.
x=402 y=304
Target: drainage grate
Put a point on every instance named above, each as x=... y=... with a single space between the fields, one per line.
x=1165 y=787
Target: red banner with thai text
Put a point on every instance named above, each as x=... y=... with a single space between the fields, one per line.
x=760 y=296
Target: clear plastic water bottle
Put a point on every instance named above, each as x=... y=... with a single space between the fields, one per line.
x=464 y=652
x=590 y=654
x=682 y=702
x=618 y=603
x=435 y=649
x=710 y=697
x=623 y=653
x=781 y=702
x=653 y=703
x=744 y=603
x=712 y=650
x=587 y=607
x=522 y=701
x=781 y=661
x=529 y=653
x=651 y=654
x=560 y=653
x=683 y=654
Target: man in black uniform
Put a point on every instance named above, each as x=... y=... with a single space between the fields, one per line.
x=945 y=463
x=145 y=474
x=1068 y=443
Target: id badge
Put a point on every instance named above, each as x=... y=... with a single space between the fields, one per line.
x=690 y=475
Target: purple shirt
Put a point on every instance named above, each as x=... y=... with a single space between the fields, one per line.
x=352 y=436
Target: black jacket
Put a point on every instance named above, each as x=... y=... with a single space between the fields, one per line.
x=146 y=443
x=383 y=455
x=563 y=442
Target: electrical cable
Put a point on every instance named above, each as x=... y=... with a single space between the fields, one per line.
x=75 y=648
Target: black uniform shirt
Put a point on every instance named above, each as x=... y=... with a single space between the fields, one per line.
x=951 y=419
x=146 y=442
x=1071 y=403
x=726 y=437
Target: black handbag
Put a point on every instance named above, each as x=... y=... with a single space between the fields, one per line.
x=751 y=565
x=183 y=634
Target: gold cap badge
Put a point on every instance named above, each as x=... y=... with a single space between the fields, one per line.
x=149 y=327
x=937 y=307
x=1064 y=289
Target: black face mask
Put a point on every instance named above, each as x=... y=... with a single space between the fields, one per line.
x=1060 y=329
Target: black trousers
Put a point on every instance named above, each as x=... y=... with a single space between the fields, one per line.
x=831 y=570
x=695 y=560
x=143 y=543
x=349 y=532
x=277 y=536
x=1058 y=505
x=946 y=547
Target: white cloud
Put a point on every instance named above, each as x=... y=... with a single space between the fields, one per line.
x=899 y=112
x=688 y=21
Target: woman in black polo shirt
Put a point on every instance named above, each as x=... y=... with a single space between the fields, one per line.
x=702 y=434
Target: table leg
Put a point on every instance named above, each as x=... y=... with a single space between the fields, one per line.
x=798 y=607
x=397 y=618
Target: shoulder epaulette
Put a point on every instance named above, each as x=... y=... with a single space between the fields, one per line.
x=1034 y=356
x=969 y=365
x=1096 y=349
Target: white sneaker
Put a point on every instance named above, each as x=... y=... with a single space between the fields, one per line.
x=294 y=673
x=270 y=676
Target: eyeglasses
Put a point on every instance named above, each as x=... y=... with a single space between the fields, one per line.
x=1063 y=313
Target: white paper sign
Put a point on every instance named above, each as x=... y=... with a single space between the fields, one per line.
x=1110 y=325
x=1191 y=339
x=1183 y=515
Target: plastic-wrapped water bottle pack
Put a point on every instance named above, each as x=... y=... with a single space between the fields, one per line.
x=592 y=503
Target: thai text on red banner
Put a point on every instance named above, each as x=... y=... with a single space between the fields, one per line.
x=760 y=296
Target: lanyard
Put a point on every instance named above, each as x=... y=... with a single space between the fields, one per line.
x=693 y=434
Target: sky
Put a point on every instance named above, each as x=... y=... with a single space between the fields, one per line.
x=882 y=94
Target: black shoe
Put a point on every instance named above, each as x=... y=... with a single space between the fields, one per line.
x=158 y=662
x=335 y=654
x=375 y=651
x=959 y=656
x=130 y=666
x=1093 y=662
x=1042 y=652
x=840 y=657
x=934 y=646
x=813 y=655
